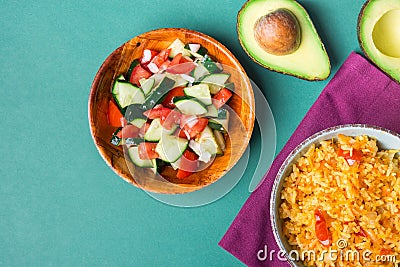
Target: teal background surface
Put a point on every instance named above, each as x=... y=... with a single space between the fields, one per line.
x=60 y=205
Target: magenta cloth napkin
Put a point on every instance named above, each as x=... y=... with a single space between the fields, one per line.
x=358 y=93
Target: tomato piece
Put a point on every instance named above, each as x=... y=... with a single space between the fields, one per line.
x=197 y=128
x=139 y=73
x=189 y=161
x=161 y=57
x=130 y=131
x=181 y=133
x=176 y=60
x=147 y=150
x=147 y=56
x=188 y=164
x=169 y=98
x=156 y=112
x=321 y=228
x=187 y=119
x=165 y=65
x=144 y=129
x=351 y=159
x=182 y=68
x=181 y=174
x=185 y=59
x=361 y=232
x=190 y=155
x=158 y=106
x=385 y=251
x=221 y=97
x=192 y=126
x=168 y=117
x=114 y=115
x=169 y=121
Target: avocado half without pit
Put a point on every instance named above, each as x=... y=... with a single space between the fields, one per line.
x=379 y=34
x=279 y=35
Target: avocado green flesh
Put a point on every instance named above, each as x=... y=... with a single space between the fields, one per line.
x=386 y=37
x=379 y=32
x=310 y=61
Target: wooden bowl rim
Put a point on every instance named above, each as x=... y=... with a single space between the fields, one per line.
x=98 y=77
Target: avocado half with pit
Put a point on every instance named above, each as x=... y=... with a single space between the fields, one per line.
x=279 y=35
x=379 y=34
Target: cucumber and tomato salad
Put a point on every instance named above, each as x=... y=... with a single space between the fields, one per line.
x=168 y=108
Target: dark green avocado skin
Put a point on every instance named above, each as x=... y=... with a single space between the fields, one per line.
x=360 y=16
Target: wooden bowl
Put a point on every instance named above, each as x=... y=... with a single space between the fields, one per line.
x=118 y=62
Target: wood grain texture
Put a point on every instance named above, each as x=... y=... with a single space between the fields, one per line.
x=241 y=124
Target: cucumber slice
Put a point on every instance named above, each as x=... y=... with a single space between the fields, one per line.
x=205 y=146
x=197 y=50
x=199 y=91
x=155 y=165
x=179 y=81
x=133 y=153
x=219 y=124
x=221 y=120
x=158 y=165
x=156 y=130
x=216 y=125
x=188 y=78
x=177 y=164
x=115 y=140
x=121 y=77
x=211 y=66
x=219 y=137
x=202 y=51
x=200 y=71
x=193 y=54
x=134 y=63
x=126 y=94
x=158 y=77
x=222 y=113
x=170 y=148
x=147 y=85
x=158 y=94
x=134 y=114
x=211 y=111
x=177 y=47
x=133 y=141
x=215 y=81
x=189 y=105
x=138 y=122
x=230 y=86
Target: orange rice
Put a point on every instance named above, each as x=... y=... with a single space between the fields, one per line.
x=361 y=203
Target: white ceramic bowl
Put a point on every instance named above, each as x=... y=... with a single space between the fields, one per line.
x=386 y=139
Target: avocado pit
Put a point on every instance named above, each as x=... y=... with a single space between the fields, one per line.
x=278 y=32
x=386 y=33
